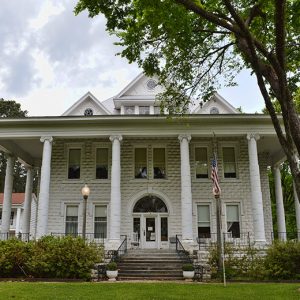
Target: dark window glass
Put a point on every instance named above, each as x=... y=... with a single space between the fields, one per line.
x=140 y=168
x=150 y=204
x=159 y=163
x=137 y=227
x=164 y=229
x=233 y=222
x=201 y=162
x=203 y=221
x=100 y=222
x=102 y=163
x=229 y=163
x=74 y=164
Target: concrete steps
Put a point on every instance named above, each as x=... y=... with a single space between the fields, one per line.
x=150 y=265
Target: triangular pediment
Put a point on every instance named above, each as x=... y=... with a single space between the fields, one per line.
x=87 y=103
x=216 y=105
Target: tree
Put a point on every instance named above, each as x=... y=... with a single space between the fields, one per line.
x=12 y=109
x=191 y=43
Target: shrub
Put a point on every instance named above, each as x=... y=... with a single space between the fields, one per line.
x=49 y=257
x=283 y=260
x=188 y=268
x=112 y=266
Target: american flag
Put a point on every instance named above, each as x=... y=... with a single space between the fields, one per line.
x=215 y=177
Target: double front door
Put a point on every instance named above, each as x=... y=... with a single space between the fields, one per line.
x=151 y=229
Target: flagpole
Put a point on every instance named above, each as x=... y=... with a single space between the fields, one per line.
x=217 y=193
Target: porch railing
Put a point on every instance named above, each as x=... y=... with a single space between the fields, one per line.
x=93 y=237
x=115 y=255
x=183 y=254
x=25 y=237
x=289 y=236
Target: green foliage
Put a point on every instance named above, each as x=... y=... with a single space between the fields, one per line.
x=188 y=267
x=240 y=263
x=49 y=257
x=11 y=109
x=283 y=260
x=112 y=266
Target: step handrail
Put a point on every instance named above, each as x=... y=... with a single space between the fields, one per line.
x=116 y=254
x=183 y=254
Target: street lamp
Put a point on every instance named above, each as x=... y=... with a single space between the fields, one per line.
x=85 y=191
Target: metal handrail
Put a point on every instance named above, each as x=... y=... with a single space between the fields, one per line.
x=25 y=237
x=116 y=254
x=183 y=254
x=96 y=237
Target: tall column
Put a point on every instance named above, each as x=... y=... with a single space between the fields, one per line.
x=186 y=190
x=7 y=197
x=27 y=202
x=256 y=194
x=297 y=209
x=115 y=195
x=43 y=204
x=18 y=219
x=279 y=204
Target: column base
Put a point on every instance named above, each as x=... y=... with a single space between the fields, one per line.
x=260 y=244
x=112 y=244
x=189 y=245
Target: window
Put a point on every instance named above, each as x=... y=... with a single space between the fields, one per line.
x=157 y=110
x=100 y=222
x=140 y=163
x=229 y=163
x=164 y=229
x=233 y=220
x=203 y=221
x=144 y=110
x=214 y=111
x=201 y=162
x=11 y=217
x=102 y=163
x=159 y=163
x=74 y=163
x=88 y=112
x=72 y=219
x=129 y=110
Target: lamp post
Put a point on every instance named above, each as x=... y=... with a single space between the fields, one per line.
x=85 y=191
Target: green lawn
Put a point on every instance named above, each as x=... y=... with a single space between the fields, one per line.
x=143 y=291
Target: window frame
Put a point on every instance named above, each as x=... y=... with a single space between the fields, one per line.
x=210 y=217
x=208 y=146
x=141 y=146
x=94 y=216
x=155 y=146
x=108 y=163
x=232 y=144
x=68 y=147
x=238 y=204
x=65 y=217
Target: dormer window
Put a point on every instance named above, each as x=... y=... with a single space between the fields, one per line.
x=88 y=112
x=144 y=110
x=214 y=111
x=129 y=110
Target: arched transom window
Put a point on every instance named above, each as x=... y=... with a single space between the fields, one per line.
x=150 y=204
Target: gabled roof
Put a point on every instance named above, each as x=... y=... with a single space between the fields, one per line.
x=219 y=101
x=87 y=96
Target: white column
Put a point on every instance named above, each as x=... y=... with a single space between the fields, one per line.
x=186 y=190
x=256 y=194
x=279 y=204
x=43 y=204
x=115 y=196
x=27 y=202
x=18 y=219
x=7 y=197
x=297 y=209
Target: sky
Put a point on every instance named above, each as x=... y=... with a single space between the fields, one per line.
x=49 y=58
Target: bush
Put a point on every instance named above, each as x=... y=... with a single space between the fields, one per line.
x=112 y=266
x=188 y=268
x=49 y=257
x=283 y=260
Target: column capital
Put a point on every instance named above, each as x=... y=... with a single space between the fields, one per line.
x=46 y=138
x=255 y=136
x=181 y=137
x=116 y=137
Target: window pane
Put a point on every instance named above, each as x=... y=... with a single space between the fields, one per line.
x=140 y=163
x=129 y=110
x=201 y=162
x=157 y=110
x=164 y=229
x=159 y=163
x=102 y=163
x=100 y=222
x=203 y=221
x=74 y=163
x=232 y=213
x=144 y=110
x=229 y=162
x=72 y=219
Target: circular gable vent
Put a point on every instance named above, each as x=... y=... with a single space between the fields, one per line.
x=151 y=84
x=214 y=111
x=88 y=112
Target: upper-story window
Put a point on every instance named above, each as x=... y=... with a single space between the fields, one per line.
x=214 y=111
x=88 y=112
x=140 y=163
x=201 y=162
x=159 y=163
x=74 y=163
x=102 y=163
x=129 y=110
x=144 y=110
x=229 y=162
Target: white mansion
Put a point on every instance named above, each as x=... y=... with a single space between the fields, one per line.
x=149 y=175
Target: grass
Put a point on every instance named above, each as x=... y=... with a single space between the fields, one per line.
x=144 y=291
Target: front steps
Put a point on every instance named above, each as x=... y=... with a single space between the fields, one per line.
x=150 y=264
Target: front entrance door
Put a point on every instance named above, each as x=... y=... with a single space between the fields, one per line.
x=150 y=232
